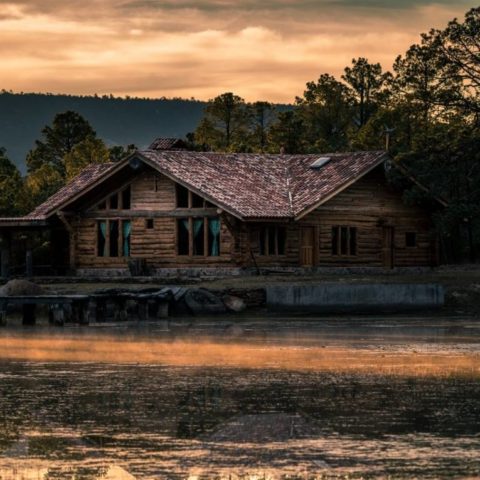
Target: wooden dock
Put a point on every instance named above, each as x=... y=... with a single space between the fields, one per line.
x=85 y=309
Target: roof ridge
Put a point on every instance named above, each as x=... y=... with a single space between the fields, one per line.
x=288 y=182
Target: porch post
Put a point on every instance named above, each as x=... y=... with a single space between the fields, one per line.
x=29 y=264
x=5 y=254
x=5 y=261
x=72 y=249
x=72 y=239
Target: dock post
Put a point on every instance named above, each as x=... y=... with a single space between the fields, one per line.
x=57 y=314
x=5 y=261
x=29 y=264
x=162 y=309
x=142 y=309
x=91 y=311
x=82 y=312
x=3 y=313
x=29 y=314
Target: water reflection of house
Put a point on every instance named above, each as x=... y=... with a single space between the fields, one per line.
x=174 y=208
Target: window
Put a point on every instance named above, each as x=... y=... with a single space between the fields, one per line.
x=102 y=239
x=197 y=201
x=344 y=241
x=198 y=236
x=114 y=202
x=126 y=198
x=113 y=238
x=149 y=224
x=182 y=196
x=187 y=199
x=119 y=200
x=410 y=239
x=272 y=240
x=183 y=236
x=126 y=233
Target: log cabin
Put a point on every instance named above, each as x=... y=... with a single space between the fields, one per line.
x=168 y=208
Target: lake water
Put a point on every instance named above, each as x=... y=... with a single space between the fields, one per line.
x=280 y=398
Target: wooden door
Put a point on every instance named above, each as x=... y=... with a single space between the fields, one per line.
x=307 y=247
x=388 y=247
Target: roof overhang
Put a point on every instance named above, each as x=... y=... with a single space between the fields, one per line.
x=180 y=181
x=101 y=178
x=381 y=159
x=22 y=222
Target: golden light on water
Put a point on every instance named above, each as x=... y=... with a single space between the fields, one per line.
x=208 y=353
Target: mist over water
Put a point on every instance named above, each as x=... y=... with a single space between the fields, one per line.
x=303 y=399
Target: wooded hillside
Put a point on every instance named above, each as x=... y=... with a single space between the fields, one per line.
x=117 y=121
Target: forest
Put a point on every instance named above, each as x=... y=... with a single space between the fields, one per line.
x=425 y=111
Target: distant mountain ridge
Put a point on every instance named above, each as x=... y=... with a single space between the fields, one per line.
x=117 y=121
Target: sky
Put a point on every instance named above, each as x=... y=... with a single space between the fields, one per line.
x=260 y=50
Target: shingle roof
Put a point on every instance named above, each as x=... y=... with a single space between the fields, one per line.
x=261 y=185
x=247 y=185
x=167 y=144
x=80 y=182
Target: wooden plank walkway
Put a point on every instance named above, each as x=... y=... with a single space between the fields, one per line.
x=85 y=309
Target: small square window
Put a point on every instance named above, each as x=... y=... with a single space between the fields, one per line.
x=149 y=223
x=410 y=239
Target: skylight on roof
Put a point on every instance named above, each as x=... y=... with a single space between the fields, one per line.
x=320 y=162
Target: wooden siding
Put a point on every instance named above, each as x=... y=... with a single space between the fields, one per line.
x=152 y=197
x=368 y=205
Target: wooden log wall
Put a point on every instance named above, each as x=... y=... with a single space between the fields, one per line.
x=369 y=204
x=152 y=198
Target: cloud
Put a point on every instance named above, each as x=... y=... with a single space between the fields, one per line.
x=259 y=50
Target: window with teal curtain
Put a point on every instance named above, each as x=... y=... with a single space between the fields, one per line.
x=102 y=239
x=114 y=236
x=198 y=237
x=214 y=237
x=127 y=229
x=183 y=236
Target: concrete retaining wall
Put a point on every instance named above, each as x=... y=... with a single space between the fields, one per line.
x=332 y=298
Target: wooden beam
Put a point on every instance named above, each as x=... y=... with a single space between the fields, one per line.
x=9 y=223
x=179 y=212
x=72 y=237
x=316 y=245
x=5 y=261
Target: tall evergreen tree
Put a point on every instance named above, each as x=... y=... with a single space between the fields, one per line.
x=225 y=124
x=11 y=187
x=367 y=82
x=263 y=115
x=91 y=150
x=287 y=133
x=326 y=113
x=67 y=130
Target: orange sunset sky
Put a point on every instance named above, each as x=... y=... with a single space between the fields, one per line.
x=259 y=49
